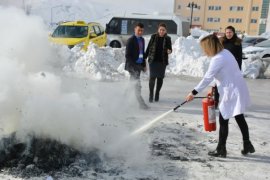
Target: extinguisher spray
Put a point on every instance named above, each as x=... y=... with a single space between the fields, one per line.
x=209 y=113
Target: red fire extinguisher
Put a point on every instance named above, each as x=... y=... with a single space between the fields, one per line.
x=209 y=113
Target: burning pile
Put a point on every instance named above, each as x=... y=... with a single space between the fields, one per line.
x=41 y=156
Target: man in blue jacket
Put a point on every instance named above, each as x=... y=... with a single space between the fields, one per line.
x=135 y=60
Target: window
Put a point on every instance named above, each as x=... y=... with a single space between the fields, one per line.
x=101 y=30
x=212 y=30
x=213 y=19
x=114 y=26
x=150 y=26
x=214 y=8
x=196 y=19
x=236 y=8
x=97 y=30
x=238 y=20
x=217 y=8
x=124 y=26
x=264 y=11
x=179 y=7
x=255 y=8
x=233 y=8
x=231 y=20
x=235 y=20
x=216 y=19
x=171 y=26
x=263 y=21
x=253 y=21
x=70 y=31
x=240 y=8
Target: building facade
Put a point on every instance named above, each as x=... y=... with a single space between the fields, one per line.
x=247 y=16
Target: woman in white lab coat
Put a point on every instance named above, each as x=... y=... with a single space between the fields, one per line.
x=234 y=95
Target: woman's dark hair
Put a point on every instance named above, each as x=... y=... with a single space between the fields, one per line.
x=234 y=39
x=231 y=28
x=162 y=25
x=140 y=25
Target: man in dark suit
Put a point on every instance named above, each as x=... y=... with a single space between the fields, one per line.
x=135 y=60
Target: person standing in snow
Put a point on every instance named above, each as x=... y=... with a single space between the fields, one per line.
x=135 y=60
x=231 y=42
x=159 y=47
x=234 y=95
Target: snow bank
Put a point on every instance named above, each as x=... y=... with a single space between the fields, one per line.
x=187 y=59
x=252 y=68
x=101 y=63
x=197 y=32
x=108 y=64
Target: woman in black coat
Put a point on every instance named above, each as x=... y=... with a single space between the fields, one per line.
x=159 y=47
x=232 y=43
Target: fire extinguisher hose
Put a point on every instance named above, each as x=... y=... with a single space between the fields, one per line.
x=178 y=106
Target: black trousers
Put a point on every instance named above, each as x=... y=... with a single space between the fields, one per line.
x=152 y=82
x=135 y=78
x=224 y=128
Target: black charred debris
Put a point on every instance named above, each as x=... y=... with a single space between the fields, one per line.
x=43 y=156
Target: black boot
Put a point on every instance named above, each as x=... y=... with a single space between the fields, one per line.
x=248 y=148
x=151 y=98
x=157 y=97
x=219 y=152
x=151 y=89
x=159 y=85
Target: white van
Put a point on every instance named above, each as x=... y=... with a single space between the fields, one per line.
x=120 y=28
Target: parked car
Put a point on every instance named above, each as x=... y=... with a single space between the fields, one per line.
x=258 y=49
x=252 y=40
x=265 y=54
x=79 y=33
x=121 y=27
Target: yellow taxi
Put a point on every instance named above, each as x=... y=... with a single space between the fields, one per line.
x=79 y=33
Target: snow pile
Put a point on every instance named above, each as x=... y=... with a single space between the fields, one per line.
x=252 y=68
x=198 y=33
x=187 y=58
x=108 y=63
x=101 y=63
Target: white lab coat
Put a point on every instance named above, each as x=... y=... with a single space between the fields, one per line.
x=234 y=95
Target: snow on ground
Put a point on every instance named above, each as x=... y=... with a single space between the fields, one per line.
x=177 y=145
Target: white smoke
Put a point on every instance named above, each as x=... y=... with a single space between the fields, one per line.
x=36 y=97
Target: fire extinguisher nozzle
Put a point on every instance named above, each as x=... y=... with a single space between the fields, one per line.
x=174 y=109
